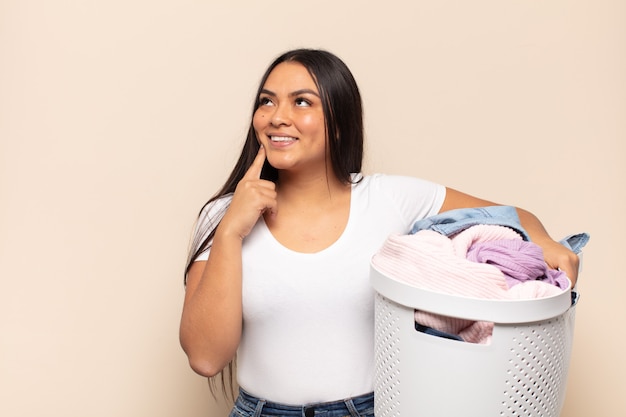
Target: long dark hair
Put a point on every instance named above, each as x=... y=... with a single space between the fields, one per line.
x=343 y=115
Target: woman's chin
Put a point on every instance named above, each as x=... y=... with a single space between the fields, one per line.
x=280 y=163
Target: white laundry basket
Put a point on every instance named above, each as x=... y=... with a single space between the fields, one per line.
x=522 y=372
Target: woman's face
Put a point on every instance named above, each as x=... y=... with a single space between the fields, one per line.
x=289 y=121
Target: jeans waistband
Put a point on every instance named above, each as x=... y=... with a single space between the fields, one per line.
x=349 y=406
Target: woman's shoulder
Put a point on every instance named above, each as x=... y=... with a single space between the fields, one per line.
x=411 y=197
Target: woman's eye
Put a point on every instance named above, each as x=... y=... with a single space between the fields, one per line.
x=265 y=101
x=301 y=102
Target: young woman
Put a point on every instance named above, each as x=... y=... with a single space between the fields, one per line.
x=279 y=270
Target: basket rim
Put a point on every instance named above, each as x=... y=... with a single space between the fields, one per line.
x=493 y=310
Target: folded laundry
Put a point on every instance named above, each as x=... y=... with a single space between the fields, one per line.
x=479 y=252
x=431 y=260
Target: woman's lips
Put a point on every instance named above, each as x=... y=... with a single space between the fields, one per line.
x=282 y=141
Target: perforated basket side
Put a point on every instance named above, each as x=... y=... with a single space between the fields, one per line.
x=521 y=373
x=387 y=352
x=537 y=368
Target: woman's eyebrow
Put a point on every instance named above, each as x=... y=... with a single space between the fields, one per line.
x=292 y=94
x=268 y=92
x=304 y=91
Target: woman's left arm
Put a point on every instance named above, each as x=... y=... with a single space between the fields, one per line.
x=555 y=254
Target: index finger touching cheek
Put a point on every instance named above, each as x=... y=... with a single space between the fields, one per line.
x=254 y=172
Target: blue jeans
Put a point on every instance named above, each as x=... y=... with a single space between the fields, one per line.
x=249 y=406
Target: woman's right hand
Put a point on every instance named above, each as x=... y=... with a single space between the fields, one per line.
x=252 y=198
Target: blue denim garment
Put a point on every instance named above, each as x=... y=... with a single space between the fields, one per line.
x=248 y=405
x=451 y=222
x=575 y=242
x=434 y=332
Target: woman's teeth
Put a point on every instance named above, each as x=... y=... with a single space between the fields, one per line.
x=281 y=139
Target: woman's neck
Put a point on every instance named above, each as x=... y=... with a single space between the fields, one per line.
x=310 y=189
x=312 y=212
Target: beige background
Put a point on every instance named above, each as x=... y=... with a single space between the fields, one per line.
x=119 y=118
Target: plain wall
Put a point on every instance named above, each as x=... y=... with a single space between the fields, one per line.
x=119 y=119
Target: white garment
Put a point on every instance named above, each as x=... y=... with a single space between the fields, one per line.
x=308 y=333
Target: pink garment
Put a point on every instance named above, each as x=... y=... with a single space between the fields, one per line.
x=432 y=261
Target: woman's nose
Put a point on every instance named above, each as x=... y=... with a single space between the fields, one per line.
x=280 y=116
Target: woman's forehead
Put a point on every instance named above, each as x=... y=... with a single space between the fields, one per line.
x=289 y=77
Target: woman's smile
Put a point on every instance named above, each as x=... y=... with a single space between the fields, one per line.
x=282 y=139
